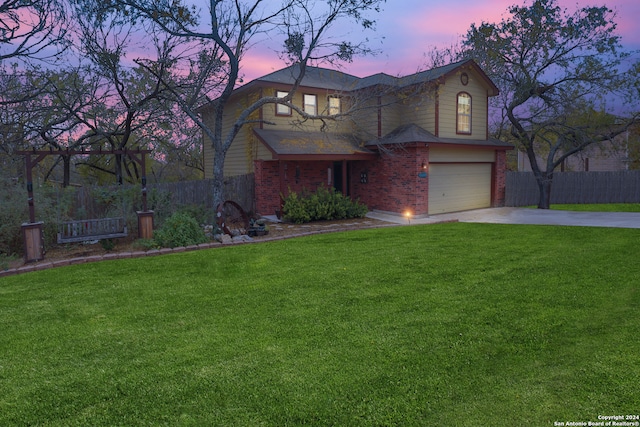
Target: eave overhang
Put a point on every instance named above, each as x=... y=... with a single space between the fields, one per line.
x=312 y=146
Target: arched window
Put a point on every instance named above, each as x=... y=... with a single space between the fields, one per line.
x=463 y=122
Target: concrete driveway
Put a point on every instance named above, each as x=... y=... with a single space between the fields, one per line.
x=524 y=216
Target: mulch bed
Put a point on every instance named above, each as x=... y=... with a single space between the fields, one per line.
x=79 y=253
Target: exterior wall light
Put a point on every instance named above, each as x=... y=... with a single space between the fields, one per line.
x=423 y=170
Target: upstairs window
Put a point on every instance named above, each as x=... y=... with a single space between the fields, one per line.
x=310 y=104
x=463 y=122
x=334 y=105
x=281 y=109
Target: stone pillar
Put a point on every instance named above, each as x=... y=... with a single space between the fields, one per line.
x=33 y=238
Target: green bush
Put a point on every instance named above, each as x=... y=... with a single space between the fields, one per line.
x=179 y=229
x=324 y=204
x=14 y=212
x=108 y=244
x=295 y=209
x=202 y=214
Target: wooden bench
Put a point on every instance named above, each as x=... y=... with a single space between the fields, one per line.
x=91 y=229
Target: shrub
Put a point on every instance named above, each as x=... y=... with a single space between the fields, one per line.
x=295 y=209
x=12 y=214
x=108 y=244
x=202 y=214
x=5 y=260
x=179 y=229
x=324 y=204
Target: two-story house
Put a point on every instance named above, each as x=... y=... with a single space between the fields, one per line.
x=416 y=144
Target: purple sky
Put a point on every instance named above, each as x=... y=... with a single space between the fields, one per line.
x=407 y=29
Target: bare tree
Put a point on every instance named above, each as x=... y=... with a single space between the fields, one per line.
x=214 y=42
x=554 y=68
x=109 y=104
x=31 y=28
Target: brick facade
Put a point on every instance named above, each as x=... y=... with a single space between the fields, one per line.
x=393 y=181
x=499 y=172
x=267 y=187
x=396 y=181
x=273 y=179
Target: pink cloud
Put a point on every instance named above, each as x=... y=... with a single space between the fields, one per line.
x=407 y=30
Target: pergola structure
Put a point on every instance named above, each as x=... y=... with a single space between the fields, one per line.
x=33 y=231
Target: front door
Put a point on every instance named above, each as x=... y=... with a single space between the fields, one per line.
x=341 y=177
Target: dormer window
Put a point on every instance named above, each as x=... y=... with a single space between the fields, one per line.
x=281 y=109
x=310 y=104
x=463 y=122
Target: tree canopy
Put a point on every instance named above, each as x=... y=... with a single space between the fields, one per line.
x=31 y=28
x=557 y=71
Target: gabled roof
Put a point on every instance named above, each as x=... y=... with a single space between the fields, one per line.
x=404 y=135
x=296 y=145
x=324 y=78
x=321 y=78
x=411 y=133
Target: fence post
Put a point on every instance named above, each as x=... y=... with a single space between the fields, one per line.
x=145 y=224
x=33 y=241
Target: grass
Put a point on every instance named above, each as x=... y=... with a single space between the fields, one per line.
x=447 y=324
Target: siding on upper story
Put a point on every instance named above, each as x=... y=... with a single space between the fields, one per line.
x=447 y=104
x=419 y=109
x=374 y=114
x=275 y=121
x=246 y=147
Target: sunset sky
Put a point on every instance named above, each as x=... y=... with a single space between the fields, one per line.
x=407 y=29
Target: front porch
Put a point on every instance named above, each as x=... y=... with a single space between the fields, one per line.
x=275 y=179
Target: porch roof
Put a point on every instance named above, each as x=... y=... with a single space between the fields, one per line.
x=296 y=145
x=411 y=133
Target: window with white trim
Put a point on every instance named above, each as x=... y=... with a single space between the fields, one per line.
x=310 y=104
x=281 y=109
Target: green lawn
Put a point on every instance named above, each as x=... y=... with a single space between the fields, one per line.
x=449 y=324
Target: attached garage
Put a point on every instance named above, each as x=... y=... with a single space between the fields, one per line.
x=459 y=186
x=431 y=175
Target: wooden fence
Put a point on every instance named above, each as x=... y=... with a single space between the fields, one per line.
x=575 y=187
x=169 y=194
x=240 y=189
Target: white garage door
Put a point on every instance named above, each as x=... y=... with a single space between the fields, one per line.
x=458 y=187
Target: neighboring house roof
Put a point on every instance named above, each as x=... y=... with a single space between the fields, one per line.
x=413 y=133
x=291 y=145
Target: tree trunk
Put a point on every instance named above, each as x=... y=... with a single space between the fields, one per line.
x=118 y=168
x=218 y=177
x=66 y=174
x=544 y=180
